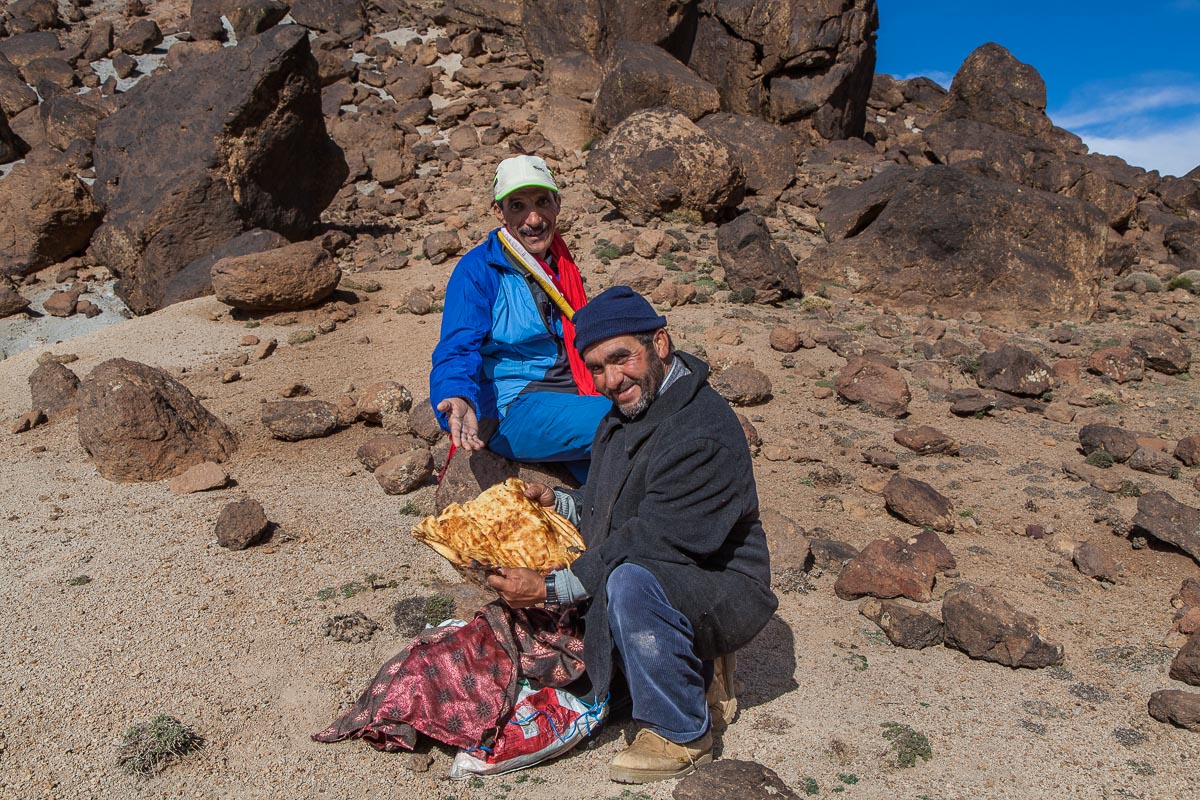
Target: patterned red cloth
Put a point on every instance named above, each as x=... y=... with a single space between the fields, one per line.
x=459 y=685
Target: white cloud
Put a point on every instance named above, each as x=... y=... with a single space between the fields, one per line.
x=1172 y=149
x=1121 y=105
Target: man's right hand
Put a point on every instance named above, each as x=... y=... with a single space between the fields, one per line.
x=540 y=493
x=464 y=425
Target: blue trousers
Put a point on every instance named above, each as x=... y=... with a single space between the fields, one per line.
x=551 y=426
x=654 y=646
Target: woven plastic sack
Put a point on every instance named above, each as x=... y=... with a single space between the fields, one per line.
x=545 y=723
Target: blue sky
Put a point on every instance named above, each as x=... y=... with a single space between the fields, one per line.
x=1125 y=76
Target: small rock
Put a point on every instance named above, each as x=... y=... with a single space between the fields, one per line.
x=888 y=568
x=231 y=376
x=1188 y=451
x=1015 y=371
x=1120 y=364
x=918 y=503
x=1168 y=520
x=904 y=626
x=29 y=420
x=295 y=390
x=293 y=420
x=879 y=387
x=1154 y=462
x=926 y=440
x=241 y=524
x=929 y=542
x=265 y=349
x=881 y=457
x=742 y=385
x=406 y=472
x=61 y=303
x=832 y=555
x=981 y=624
x=383 y=399
x=380 y=449
x=1186 y=665
x=1176 y=707
x=1188 y=594
x=1095 y=563
x=200 y=478
x=52 y=388
x=786 y=340
x=733 y=779
x=1117 y=442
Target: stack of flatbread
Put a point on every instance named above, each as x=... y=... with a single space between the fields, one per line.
x=502 y=528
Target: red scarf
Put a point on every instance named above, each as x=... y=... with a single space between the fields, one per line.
x=570 y=284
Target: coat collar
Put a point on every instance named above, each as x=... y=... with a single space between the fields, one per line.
x=681 y=393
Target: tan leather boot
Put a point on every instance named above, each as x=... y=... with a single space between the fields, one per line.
x=652 y=758
x=722 y=693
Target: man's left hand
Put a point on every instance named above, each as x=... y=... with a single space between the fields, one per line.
x=519 y=587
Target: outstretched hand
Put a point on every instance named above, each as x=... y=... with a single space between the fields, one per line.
x=519 y=587
x=464 y=425
x=540 y=493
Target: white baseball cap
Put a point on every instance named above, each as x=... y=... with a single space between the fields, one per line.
x=519 y=172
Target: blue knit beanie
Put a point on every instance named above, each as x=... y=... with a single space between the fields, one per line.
x=617 y=311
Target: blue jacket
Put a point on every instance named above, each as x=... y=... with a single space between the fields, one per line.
x=501 y=336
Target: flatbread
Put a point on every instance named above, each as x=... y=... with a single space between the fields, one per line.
x=502 y=528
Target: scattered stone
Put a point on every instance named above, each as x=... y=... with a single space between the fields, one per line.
x=405 y=472
x=753 y=260
x=786 y=340
x=918 y=503
x=140 y=424
x=742 y=385
x=733 y=779
x=241 y=524
x=231 y=376
x=62 y=303
x=1188 y=594
x=29 y=420
x=1162 y=351
x=1176 y=707
x=1154 y=462
x=1186 y=665
x=972 y=405
x=293 y=420
x=926 y=440
x=1015 y=371
x=881 y=457
x=423 y=422
x=888 y=568
x=379 y=449
x=1160 y=515
x=984 y=626
x=11 y=301
x=200 y=478
x=382 y=400
x=1188 y=451
x=904 y=626
x=140 y=38
x=1095 y=563
x=53 y=389
x=354 y=628
x=929 y=542
x=832 y=555
x=265 y=349
x=1120 y=364
x=879 y=387
x=1117 y=442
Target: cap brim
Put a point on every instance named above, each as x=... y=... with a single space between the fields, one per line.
x=519 y=187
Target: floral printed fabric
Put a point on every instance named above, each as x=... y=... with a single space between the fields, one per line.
x=459 y=685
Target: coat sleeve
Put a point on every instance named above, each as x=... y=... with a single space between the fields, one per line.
x=695 y=495
x=466 y=323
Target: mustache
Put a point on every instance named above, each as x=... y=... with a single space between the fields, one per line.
x=532 y=230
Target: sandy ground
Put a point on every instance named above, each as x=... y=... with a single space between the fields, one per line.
x=232 y=642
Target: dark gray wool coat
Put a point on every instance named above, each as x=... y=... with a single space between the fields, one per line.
x=673 y=491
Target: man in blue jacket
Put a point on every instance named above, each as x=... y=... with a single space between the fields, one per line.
x=676 y=575
x=505 y=375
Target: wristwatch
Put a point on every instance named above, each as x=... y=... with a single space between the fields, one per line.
x=551 y=603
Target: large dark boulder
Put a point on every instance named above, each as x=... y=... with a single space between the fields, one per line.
x=767 y=152
x=992 y=86
x=801 y=62
x=347 y=18
x=1162 y=516
x=140 y=424
x=232 y=140
x=656 y=162
x=195 y=280
x=69 y=117
x=46 y=215
x=15 y=94
x=644 y=76
x=752 y=260
x=12 y=147
x=961 y=243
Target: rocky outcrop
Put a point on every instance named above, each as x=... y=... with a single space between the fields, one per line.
x=46 y=215
x=12 y=146
x=656 y=162
x=790 y=61
x=963 y=243
x=995 y=88
x=140 y=424
x=231 y=140
x=641 y=76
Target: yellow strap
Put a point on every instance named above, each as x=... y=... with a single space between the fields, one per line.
x=521 y=255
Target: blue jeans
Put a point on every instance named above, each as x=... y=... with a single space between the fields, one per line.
x=654 y=648
x=551 y=426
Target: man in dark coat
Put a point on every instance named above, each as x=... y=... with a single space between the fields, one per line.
x=676 y=573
